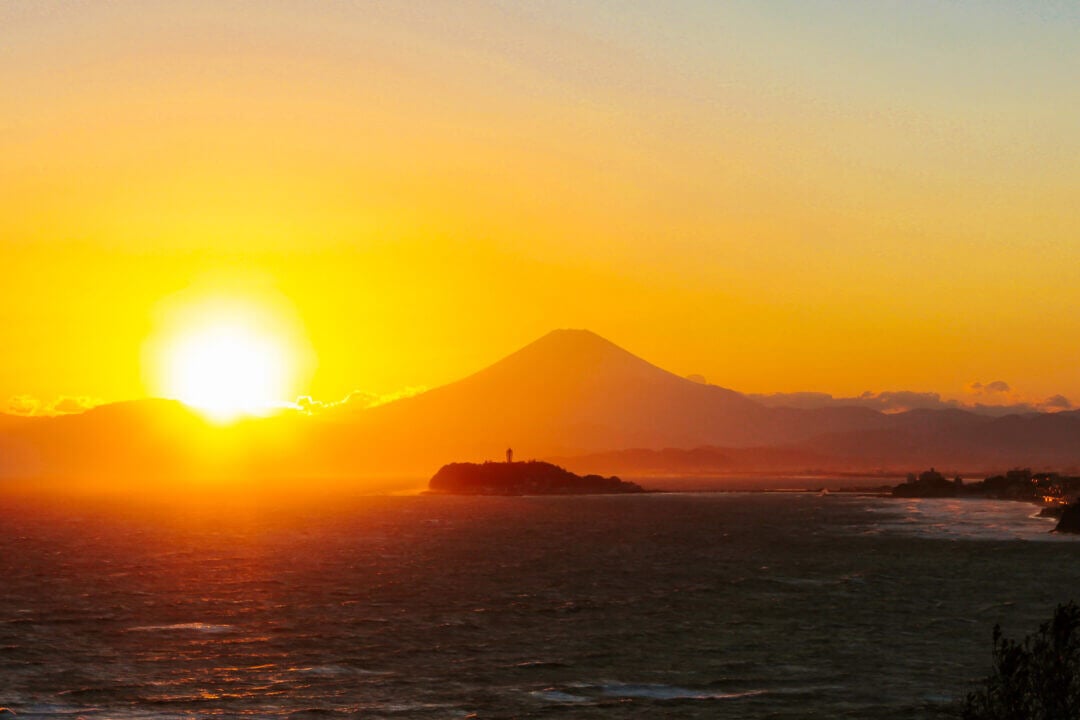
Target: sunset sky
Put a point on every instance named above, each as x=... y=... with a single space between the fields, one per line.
x=780 y=196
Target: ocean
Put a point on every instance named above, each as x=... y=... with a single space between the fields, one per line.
x=698 y=605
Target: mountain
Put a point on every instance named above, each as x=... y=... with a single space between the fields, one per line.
x=119 y=439
x=574 y=393
x=959 y=440
x=570 y=394
x=571 y=391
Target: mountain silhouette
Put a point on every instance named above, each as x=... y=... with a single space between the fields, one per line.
x=569 y=394
x=572 y=391
x=108 y=441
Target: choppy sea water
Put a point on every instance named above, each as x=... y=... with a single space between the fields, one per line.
x=681 y=605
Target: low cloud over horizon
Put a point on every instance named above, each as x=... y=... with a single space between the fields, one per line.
x=30 y=406
x=354 y=401
x=995 y=398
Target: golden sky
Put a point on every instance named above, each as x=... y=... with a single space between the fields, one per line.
x=780 y=196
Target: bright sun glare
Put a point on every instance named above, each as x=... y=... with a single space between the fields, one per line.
x=229 y=345
x=227 y=370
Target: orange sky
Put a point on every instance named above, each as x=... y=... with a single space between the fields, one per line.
x=779 y=196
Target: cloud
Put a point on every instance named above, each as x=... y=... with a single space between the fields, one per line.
x=903 y=400
x=995 y=399
x=999 y=398
x=1000 y=410
x=359 y=400
x=23 y=405
x=355 y=401
x=889 y=401
x=67 y=405
x=64 y=405
x=309 y=404
x=991 y=388
x=1056 y=402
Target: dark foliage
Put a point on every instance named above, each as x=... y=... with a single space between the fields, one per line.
x=1038 y=679
x=1070 y=519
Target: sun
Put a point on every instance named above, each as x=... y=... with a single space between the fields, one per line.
x=229 y=346
x=228 y=370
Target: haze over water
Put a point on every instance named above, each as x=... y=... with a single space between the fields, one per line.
x=695 y=605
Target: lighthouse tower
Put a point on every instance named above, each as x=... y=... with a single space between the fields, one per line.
x=509 y=455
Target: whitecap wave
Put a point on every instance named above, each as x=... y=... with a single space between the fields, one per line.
x=181 y=627
x=338 y=670
x=589 y=692
x=558 y=696
x=652 y=691
x=965 y=519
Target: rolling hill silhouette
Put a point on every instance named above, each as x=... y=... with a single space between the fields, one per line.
x=571 y=393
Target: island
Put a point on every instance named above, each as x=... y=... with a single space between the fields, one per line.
x=523 y=478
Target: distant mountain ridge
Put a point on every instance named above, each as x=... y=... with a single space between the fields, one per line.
x=569 y=394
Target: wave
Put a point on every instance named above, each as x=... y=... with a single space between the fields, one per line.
x=338 y=671
x=558 y=696
x=593 y=693
x=670 y=692
x=180 y=627
x=964 y=519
